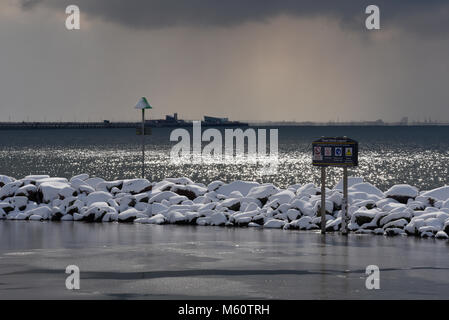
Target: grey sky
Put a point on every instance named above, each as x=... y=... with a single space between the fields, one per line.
x=246 y=59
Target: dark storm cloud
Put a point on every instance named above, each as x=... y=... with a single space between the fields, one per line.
x=418 y=15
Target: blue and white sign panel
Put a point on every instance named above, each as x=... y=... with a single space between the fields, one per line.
x=335 y=152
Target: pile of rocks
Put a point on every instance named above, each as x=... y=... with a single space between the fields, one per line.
x=401 y=210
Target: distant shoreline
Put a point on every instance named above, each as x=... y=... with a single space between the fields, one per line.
x=116 y=125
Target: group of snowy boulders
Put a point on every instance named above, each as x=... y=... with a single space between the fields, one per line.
x=401 y=210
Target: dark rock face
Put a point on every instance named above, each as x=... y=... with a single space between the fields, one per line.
x=129 y=219
x=8 y=208
x=184 y=192
x=235 y=207
x=390 y=232
x=258 y=220
x=360 y=220
x=401 y=199
x=56 y=216
x=263 y=201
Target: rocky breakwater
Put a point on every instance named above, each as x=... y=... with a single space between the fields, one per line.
x=401 y=210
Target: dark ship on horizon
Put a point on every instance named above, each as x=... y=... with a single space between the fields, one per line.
x=173 y=121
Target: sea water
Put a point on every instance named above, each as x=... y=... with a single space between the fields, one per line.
x=388 y=155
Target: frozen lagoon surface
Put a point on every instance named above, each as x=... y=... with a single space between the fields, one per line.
x=193 y=262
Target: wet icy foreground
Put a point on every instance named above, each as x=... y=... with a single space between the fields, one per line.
x=401 y=210
x=123 y=260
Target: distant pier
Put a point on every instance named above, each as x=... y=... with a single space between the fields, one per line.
x=112 y=125
x=66 y=125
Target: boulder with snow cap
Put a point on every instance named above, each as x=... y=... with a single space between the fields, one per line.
x=94 y=182
x=393 y=232
x=441 y=235
x=367 y=188
x=175 y=200
x=164 y=195
x=44 y=212
x=38 y=182
x=175 y=217
x=396 y=215
x=303 y=223
x=6 y=207
x=67 y=217
x=284 y=196
x=5 y=180
x=441 y=193
x=33 y=178
x=29 y=191
x=427 y=231
x=417 y=205
x=243 y=186
x=53 y=190
x=191 y=191
x=237 y=215
x=218 y=219
x=400 y=223
x=214 y=185
x=263 y=192
x=98 y=196
x=293 y=214
x=402 y=192
x=135 y=186
x=333 y=225
x=157 y=219
x=19 y=202
x=9 y=189
x=56 y=214
x=307 y=190
x=128 y=215
x=142 y=197
x=232 y=204
x=303 y=206
x=96 y=211
x=274 y=224
x=363 y=216
x=108 y=186
x=242 y=221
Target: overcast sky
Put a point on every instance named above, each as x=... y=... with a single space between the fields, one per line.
x=245 y=59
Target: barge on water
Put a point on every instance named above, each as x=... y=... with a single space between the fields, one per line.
x=173 y=121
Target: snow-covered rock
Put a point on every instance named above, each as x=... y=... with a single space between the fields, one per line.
x=128 y=215
x=402 y=192
x=274 y=223
x=135 y=186
x=98 y=196
x=243 y=186
x=52 y=190
x=400 y=210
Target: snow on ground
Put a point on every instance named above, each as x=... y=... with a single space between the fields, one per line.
x=400 y=210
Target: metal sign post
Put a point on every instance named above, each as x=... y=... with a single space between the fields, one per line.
x=143 y=104
x=344 y=204
x=335 y=152
x=323 y=200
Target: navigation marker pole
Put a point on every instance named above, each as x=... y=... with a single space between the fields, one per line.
x=323 y=200
x=143 y=143
x=143 y=104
